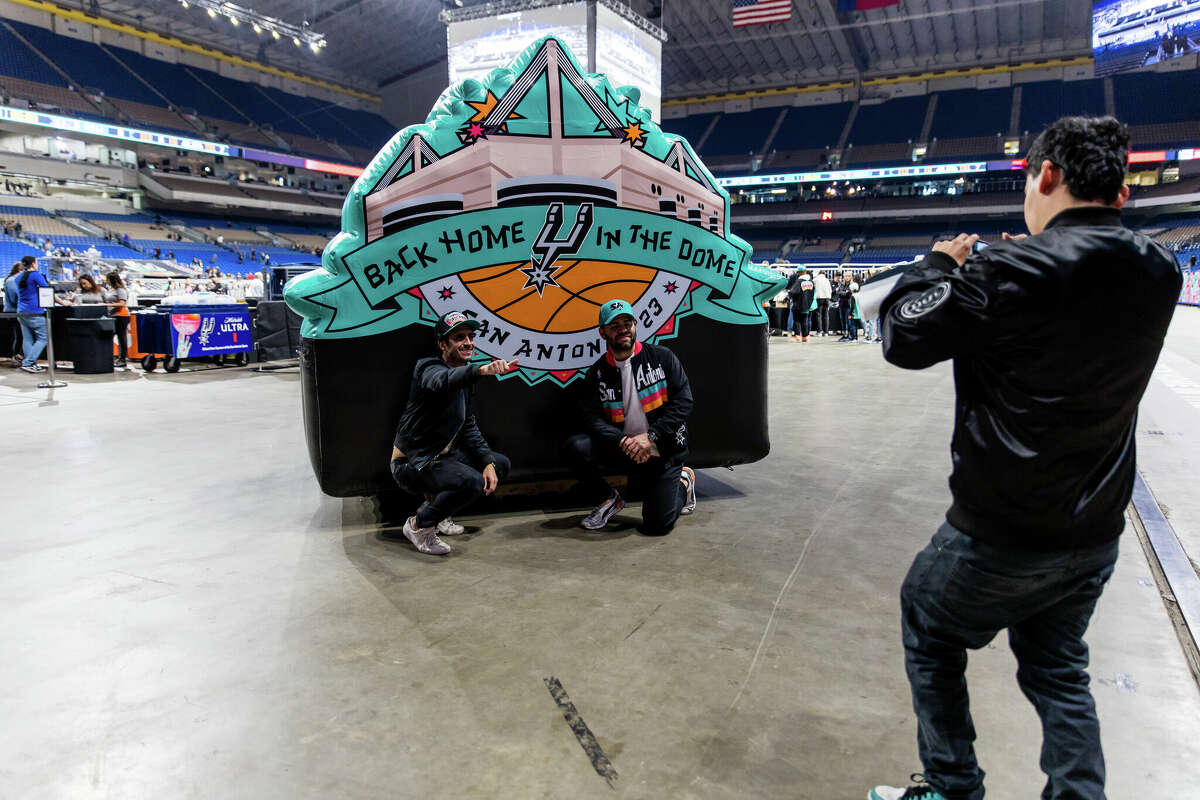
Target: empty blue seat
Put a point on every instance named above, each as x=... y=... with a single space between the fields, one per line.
x=1145 y=98
x=1045 y=101
x=966 y=113
x=897 y=120
x=811 y=127
x=738 y=134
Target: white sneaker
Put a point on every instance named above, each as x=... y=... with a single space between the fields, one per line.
x=602 y=513
x=424 y=539
x=448 y=527
x=689 y=480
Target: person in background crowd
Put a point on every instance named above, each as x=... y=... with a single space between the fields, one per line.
x=439 y=451
x=12 y=298
x=254 y=289
x=846 y=308
x=822 y=292
x=787 y=290
x=856 y=320
x=117 y=298
x=636 y=401
x=29 y=312
x=801 y=296
x=873 y=332
x=1043 y=451
x=87 y=293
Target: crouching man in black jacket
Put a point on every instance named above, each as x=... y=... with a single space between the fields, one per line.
x=636 y=404
x=1043 y=450
x=439 y=451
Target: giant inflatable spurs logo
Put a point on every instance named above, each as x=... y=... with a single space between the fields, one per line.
x=526 y=201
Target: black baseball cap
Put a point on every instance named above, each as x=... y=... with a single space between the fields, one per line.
x=454 y=319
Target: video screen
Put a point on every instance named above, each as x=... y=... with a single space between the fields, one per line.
x=476 y=47
x=1129 y=34
x=629 y=57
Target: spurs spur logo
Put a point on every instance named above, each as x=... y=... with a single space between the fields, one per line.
x=547 y=245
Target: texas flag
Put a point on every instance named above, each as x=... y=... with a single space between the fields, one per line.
x=846 y=6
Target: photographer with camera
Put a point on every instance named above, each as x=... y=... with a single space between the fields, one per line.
x=1043 y=450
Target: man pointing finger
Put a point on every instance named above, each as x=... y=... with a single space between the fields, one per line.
x=439 y=451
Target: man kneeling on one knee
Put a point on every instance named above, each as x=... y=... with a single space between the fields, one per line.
x=439 y=451
x=635 y=408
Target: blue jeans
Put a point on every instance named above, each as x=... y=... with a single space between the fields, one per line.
x=33 y=333
x=961 y=592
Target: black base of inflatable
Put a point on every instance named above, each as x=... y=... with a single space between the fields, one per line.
x=354 y=391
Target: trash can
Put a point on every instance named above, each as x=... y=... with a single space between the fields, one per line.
x=91 y=345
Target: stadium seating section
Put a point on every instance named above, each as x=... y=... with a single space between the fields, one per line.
x=1161 y=108
x=867 y=245
x=110 y=83
x=240 y=248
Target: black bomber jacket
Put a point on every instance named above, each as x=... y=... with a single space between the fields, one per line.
x=439 y=413
x=1053 y=338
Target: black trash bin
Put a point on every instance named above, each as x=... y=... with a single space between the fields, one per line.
x=91 y=342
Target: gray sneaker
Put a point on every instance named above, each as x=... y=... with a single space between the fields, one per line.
x=424 y=539
x=35 y=368
x=689 y=480
x=602 y=513
x=448 y=527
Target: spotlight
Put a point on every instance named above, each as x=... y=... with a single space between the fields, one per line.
x=314 y=47
x=183 y=3
x=275 y=34
x=233 y=21
x=257 y=28
x=295 y=41
x=212 y=13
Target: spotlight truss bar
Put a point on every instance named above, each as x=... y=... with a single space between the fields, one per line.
x=497 y=7
x=301 y=35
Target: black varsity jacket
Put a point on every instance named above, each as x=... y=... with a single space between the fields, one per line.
x=662 y=387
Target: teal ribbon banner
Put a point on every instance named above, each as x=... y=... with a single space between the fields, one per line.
x=390 y=266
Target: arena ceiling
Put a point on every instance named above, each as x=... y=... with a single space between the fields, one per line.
x=375 y=43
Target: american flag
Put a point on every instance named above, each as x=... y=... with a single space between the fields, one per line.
x=760 y=12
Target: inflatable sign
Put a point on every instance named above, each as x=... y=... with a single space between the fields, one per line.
x=525 y=200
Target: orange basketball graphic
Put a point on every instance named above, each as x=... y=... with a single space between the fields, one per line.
x=572 y=305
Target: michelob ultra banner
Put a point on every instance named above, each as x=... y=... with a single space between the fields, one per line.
x=526 y=200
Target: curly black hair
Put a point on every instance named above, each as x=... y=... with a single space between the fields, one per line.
x=1092 y=152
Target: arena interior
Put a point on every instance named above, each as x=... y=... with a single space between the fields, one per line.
x=189 y=614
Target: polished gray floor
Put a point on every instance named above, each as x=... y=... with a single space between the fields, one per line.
x=186 y=616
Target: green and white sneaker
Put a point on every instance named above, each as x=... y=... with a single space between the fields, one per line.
x=920 y=790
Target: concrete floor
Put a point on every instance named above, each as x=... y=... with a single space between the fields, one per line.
x=186 y=616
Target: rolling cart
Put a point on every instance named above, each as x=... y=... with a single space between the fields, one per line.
x=219 y=334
